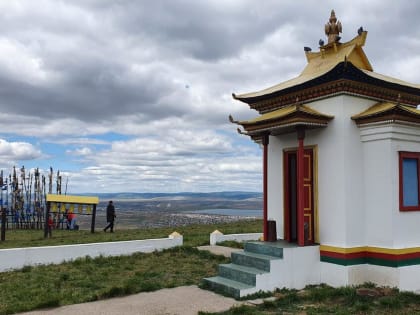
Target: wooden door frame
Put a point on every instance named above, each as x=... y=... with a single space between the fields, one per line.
x=286 y=214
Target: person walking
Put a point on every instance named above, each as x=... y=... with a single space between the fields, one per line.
x=110 y=217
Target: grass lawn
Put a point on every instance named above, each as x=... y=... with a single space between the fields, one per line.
x=194 y=235
x=317 y=300
x=90 y=279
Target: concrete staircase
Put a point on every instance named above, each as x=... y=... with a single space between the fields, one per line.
x=250 y=269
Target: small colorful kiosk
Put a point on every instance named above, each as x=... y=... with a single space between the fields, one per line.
x=59 y=205
x=341 y=172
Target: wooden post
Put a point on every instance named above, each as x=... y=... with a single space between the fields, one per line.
x=265 y=141
x=47 y=216
x=92 y=226
x=300 y=188
x=3 y=224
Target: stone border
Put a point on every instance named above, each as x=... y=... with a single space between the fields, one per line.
x=218 y=237
x=16 y=258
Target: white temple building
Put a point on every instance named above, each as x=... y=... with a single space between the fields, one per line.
x=341 y=173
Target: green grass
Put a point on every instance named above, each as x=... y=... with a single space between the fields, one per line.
x=194 y=235
x=90 y=279
x=317 y=300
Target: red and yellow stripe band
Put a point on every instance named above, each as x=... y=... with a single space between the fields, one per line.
x=390 y=257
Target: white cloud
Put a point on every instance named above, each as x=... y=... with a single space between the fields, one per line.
x=11 y=152
x=138 y=93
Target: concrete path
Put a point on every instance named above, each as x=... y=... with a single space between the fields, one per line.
x=219 y=250
x=187 y=300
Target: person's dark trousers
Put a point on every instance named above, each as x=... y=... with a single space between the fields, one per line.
x=110 y=226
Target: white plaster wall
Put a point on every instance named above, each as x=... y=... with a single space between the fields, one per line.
x=340 y=174
x=337 y=275
x=17 y=258
x=386 y=225
x=406 y=224
x=333 y=275
x=275 y=184
x=298 y=268
x=379 y=195
x=341 y=208
x=380 y=275
x=409 y=278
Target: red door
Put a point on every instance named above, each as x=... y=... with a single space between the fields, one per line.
x=291 y=226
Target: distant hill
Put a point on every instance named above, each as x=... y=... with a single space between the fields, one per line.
x=223 y=195
x=183 y=201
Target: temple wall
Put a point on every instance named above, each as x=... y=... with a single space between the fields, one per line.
x=340 y=173
x=387 y=225
x=275 y=179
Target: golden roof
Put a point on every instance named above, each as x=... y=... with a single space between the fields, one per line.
x=284 y=112
x=388 y=111
x=284 y=120
x=323 y=61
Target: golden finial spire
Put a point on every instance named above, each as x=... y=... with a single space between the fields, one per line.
x=333 y=28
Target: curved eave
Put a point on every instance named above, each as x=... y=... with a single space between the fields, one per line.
x=387 y=112
x=285 y=120
x=344 y=71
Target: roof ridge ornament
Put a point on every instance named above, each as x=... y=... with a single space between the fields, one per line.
x=333 y=29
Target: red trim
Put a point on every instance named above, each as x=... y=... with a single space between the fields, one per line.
x=286 y=205
x=361 y=254
x=300 y=193
x=402 y=156
x=368 y=254
x=265 y=191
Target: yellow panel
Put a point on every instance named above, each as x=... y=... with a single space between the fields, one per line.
x=370 y=249
x=309 y=186
x=73 y=199
x=53 y=207
x=310 y=225
x=308 y=158
x=80 y=208
x=89 y=209
x=63 y=208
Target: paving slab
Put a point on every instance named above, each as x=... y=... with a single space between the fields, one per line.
x=186 y=300
x=220 y=250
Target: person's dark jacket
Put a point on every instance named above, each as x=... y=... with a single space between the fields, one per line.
x=110 y=213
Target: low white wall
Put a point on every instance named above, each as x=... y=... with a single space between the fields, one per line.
x=16 y=258
x=218 y=237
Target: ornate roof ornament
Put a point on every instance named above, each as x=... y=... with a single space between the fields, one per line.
x=333 y=29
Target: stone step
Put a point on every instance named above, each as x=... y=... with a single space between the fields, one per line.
x=247 y=275
x=271 y=249
x=248 y=259
x=227 y=286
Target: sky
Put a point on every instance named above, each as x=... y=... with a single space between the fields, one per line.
x=134 y=96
